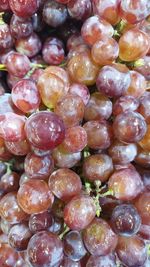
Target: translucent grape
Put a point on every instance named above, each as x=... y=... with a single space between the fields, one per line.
x=23 y=9
x=45 y=130
x=34 y=196
x=79 y=10
x=65 y=184
x=99 y=238
x=79 y=212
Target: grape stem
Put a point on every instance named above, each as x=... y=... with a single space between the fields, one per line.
x=66 y=230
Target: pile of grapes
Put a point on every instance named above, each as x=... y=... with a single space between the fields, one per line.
x=74 y=133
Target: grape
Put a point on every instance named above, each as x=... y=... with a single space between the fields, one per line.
x=99 y=238
x=144 y=108
x=122 y=153
x=8 y=256
x=71 y=109
x=125 y=103
x=125 y=220
x=82 y=69
x=12 y=127
x=126 y=184
x=98 y=167
x=99 y=134
x=52 y=85
x=79 y=212
x=53 y=51
x=80 y=10
x=40 y=221
x=94 y=28
x=131 y=251
x=37 y=22
x=45 y=249
x=81 y=48
x=38 y=167
x=57 y=226
x=4 y=5
x=75 y=140
x=65 y=184
x=73 y=246
x=145 y=142
x=11 y=81
x=25 y=96
x=111 y=48
x=102 y=261
x=23 y=9
x=9 y=182
x=138 y=85
x=36 y=74
x=20 y=148
x=10 y=210
x=54 y=13
x=142 y=204
x=3 y=169
x=45 y=130
x=4 y=153
x=63 y=1
x=133 y=11
x=143 y=158
x=133 y=45
x=145 y=68
x=29 y=46
x=20 y=28
x=80 y=90
x=114 y=80
x=107 y=9
x=129 y=127
x=34 y=196
x=74 y=40
x=19 y=236
x=6 y=40
x=17 y=64
x=99 y=107
x=65 y=160
x=144 y=232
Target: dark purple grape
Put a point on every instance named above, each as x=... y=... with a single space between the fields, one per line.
x=125 y=220
x=40 y=221
x=53 y=51
x=20 y=28
x=54 y=14
x=131 y=251
x=45 y=249
x=73 y=246
x=45 y=130
x=113 y=81
x=80 y=10
x=57 y=225
x=129 y=127
x=37 y=22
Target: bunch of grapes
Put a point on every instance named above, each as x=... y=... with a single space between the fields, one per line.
x=74 y=133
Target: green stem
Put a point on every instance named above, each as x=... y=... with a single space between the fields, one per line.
x=66 y=230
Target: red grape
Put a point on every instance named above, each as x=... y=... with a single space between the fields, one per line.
x=8 y=256
x=34 y=196
x=126 y=184
x=99 y=238
x=65 y=184
x=65 y=160
x=20 y=148
x=80 y=90
x=20 y=28
x=129 y=127
x=45 y=249
x=80 y=10
x=45 y=130
x=9 y=182
x=98 y=167
x=79 y=212
x=40 y=221
x=23 y=9
x=102 y=261
x=53 y=51
x=137 y=86
x=25 y=96
x=125 y=103
x=142 y=204
x=38 y=167
x=6 y=40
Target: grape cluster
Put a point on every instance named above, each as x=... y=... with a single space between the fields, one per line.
x=74 y=133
